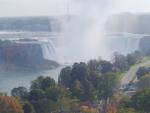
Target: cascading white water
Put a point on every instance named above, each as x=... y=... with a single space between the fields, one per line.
x=48 y=49
x=124 y=44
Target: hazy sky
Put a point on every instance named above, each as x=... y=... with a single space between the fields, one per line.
x=132 y=5
x=59 y=7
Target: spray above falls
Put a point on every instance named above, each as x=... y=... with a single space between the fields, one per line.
x=83 y=30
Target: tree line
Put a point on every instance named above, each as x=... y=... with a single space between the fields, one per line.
x=81 y=88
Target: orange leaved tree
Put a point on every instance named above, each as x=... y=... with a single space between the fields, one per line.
x=10 y=105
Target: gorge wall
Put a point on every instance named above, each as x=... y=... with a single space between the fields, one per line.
x=25 y=54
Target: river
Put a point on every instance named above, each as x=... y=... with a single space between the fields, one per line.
x=10 y=80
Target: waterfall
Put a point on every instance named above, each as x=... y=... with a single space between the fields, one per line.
x=48 y=50
x=124 y=44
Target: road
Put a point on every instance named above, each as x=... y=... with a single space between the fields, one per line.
x=131 y=73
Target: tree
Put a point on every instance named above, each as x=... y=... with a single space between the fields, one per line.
x=144 y=82
x=10 y=105
x=107 y=85
x=90 y=92
x=132 y=58
x=19 y=92
x=101 y=66
x=43 y=83
x=142 y=71
x=141 y=100
x=28 y=108
x=83 y=91
x=120 y=61
x=36 y=94
x=78 y=82
x=44 y=106
x=3 y=94
x=65 y=77
x=55 y=93
x=79 y=72
x=77 y=90
x=87 y=83
x=93 y=64
x=105 y=67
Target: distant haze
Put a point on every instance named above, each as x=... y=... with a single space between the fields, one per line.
x=83 y=36
x=59 y=7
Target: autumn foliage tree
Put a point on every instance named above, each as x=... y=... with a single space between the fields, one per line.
x=10 y=105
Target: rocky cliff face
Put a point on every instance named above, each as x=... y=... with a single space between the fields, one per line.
x=24 y=55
